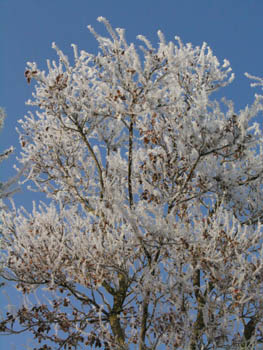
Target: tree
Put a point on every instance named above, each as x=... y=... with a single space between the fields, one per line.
x=152 y=237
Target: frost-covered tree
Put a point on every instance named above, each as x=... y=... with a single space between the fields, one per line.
x=152 y=235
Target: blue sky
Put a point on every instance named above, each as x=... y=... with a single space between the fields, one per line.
x=232 y=28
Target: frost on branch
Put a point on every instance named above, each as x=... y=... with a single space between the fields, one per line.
x=6 y=153
x=7 y=189
x=153 y=238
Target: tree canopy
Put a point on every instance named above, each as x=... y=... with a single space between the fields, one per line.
x=152 y=234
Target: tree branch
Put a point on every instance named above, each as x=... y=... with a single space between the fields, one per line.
x=130 y=163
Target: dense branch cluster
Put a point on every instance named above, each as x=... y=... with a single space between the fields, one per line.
x=153 y=235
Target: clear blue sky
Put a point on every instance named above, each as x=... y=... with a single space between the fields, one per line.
x=232 y=28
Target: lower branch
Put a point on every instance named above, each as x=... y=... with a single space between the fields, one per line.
x=144 y=322
x=199 y=322
x=119 y=296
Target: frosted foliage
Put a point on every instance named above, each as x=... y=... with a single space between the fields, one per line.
x=5 y=190
x=152 y=238
x=2 y=117
x=6 y=153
